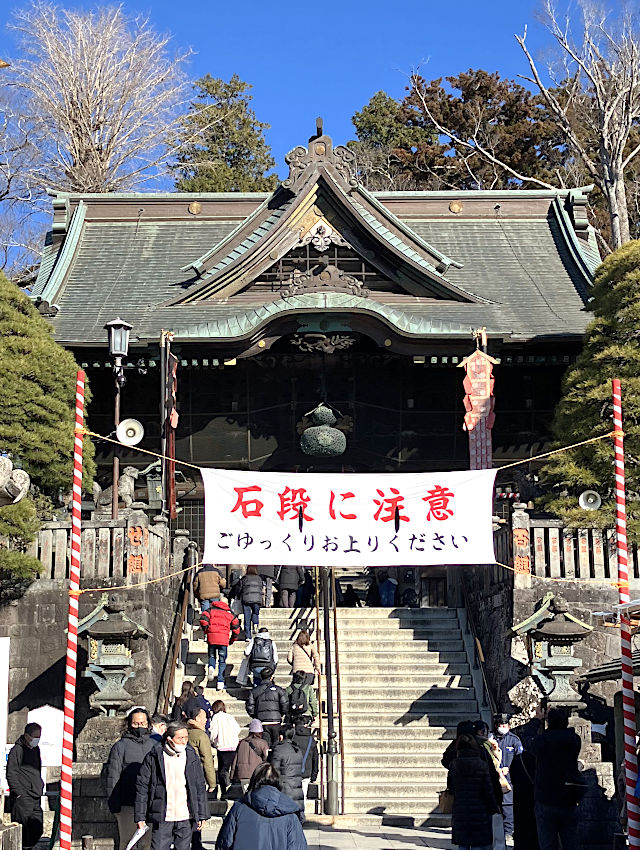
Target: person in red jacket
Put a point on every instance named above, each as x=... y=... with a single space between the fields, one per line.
x=222 y=627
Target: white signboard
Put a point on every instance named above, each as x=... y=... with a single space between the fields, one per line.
x=348 y=520
x=52 y=721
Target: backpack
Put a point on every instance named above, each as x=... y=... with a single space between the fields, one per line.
x=261 y=652
x=298 y=702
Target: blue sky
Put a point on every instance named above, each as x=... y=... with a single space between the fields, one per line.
x=312 y=58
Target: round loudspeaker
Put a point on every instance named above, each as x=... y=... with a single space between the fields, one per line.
x=589 y=500
x=130 y=432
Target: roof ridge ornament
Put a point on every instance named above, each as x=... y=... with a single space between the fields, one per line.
x=320 y=152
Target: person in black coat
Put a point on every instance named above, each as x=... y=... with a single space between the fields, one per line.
x=305 y=739
x=121 y=773
x=268 y=574
x=24 y=777
x=290 y=579
x=465 y=727
x=557 y=779
x=268 y=703
x=264 y=819
x=287 y=759
x=171 y=791
x=474 y=800
x=249 y=591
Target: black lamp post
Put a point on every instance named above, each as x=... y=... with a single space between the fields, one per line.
x=118 y=333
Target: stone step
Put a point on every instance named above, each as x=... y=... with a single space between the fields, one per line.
x=389 y=656
x=390 y=794
x=407 y=693
x=370 y=823
x=371 y=673
x=425 y=666
x=392 y=709
x=403 y=682
x=380 y=764
x=406 y=742
x=398 y=613
x=400 y=643
x=375 y=719
x=351 y=622
x=420 y=807
x=394 y=785
x=399 y=639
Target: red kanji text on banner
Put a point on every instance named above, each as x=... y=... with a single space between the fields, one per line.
x=355 y=520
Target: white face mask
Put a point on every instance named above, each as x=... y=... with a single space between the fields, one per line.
x=179 y=748
x=33 y=743
x=502 y=730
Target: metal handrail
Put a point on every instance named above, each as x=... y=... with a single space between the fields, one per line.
x=191 y=554
x=317 y=584
x=338 y=687
x=488 y=699
x=331 y=800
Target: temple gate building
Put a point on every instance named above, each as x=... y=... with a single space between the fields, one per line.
x=323 y=291
x=370 y=302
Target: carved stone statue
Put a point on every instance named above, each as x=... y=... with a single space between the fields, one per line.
x=14 y=483
x=126 y=489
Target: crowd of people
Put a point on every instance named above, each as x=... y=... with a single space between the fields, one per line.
x=162 y=772
x=523 y=786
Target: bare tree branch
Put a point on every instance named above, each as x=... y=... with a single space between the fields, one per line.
x=103 y=92
x=473 y=142
x=601 y=98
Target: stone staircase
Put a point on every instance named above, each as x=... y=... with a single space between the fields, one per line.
x=282 y=625
x=405 y=684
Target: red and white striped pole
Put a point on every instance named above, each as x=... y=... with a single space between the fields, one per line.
x=628 y=697
x=66 y=776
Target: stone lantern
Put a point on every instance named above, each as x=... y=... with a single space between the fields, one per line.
x=551 y=634
x=322 y=439
x=110 y=634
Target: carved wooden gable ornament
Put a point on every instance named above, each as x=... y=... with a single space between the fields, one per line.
x=321 y=209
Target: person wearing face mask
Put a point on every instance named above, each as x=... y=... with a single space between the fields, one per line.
x=171 y=791
x=121 y=772
x=510 y=747
x=24 y=778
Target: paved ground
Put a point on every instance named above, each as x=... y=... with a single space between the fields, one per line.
x=324 y=837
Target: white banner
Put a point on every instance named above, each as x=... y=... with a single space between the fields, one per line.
x=348 y=520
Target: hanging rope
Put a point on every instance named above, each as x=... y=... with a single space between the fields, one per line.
x=609 y=435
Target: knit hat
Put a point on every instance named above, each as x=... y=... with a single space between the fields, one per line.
x=255 y=726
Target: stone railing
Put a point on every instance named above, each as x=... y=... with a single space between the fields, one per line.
x=546 y=549
x=133 y=548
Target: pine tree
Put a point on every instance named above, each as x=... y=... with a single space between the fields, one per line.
x=222 y=145
x=38 y=404
x=385 y=141
x=37 y=419
x=611 y=350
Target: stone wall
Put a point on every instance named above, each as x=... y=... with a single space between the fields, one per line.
x=490 y=595
x=36 y=624
x=498 y=600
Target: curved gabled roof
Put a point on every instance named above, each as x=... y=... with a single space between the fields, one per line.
x=320 y=186
x=523 y=264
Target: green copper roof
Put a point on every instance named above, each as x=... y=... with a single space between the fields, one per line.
x=246 y=322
